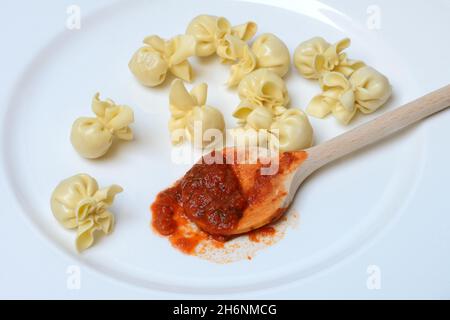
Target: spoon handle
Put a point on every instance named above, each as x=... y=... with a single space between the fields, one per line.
x=379 y=128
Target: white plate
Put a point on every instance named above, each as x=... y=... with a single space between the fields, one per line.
x=342 y=208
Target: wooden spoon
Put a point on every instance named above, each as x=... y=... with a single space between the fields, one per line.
x=255 y=217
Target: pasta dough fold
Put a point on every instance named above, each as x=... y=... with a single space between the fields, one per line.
x=261 y=88
x=266 y=52
x=293 y=130
x=151 y=63
x=78 y=203
x=231 y=48
x=271 y=53
x=316 y=56
x=210 y=32
x=92 y=137
x=190 y=116
x=289 y=131
x=246 y=63
x=366 y=90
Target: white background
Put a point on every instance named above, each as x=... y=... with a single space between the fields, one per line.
x=413 y=254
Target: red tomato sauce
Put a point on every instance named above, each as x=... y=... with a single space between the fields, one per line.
x=169 y=219
x=208 y=195
x=214 y=197
x=266 y=231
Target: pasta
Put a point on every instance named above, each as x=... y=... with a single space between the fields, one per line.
x=92 y=137
x=231 y=48
x=209 y=31
x=190 y=116
x=366 y=90
x=245 y=64
x=245 y=31
x=289 y=131
x=261 y=88
x=254 y=130
x=151 y=63
x=259 y=118
x=271 y=53
x=267 y=51
x=293 y=130
x=78 y=203
x=314 y=57
x=371 y=89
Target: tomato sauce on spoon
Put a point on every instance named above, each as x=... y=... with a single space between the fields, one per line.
x=215 y=197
